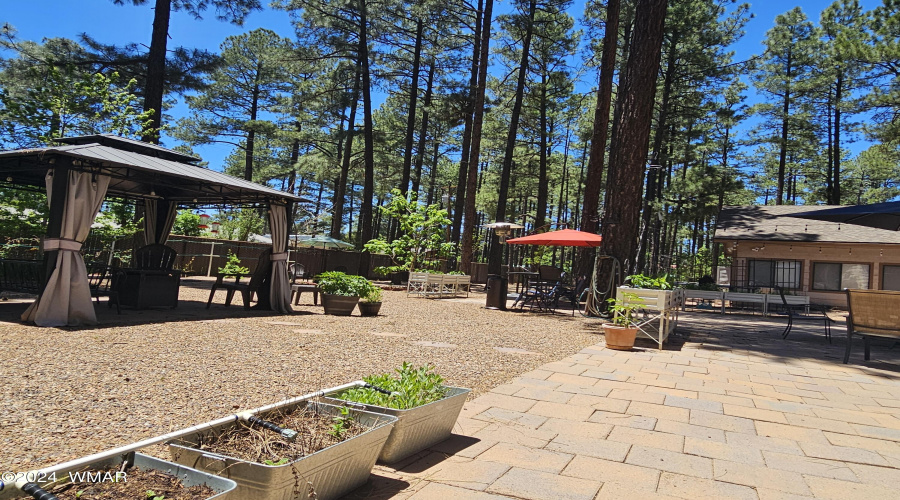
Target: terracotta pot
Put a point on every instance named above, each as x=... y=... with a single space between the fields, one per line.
x=369 y=308
x=339 y=305
x=619 y=338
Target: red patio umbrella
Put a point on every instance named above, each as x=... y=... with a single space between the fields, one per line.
x=560 y=238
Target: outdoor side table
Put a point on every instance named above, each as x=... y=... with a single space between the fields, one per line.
x=298 y=288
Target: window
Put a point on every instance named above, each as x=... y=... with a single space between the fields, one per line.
x=890 y=278
x=770 y=273
x=837 y=276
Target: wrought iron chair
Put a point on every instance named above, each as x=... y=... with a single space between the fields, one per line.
x=799 y=312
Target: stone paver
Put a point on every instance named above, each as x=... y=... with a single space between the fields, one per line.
x=522 y=483
x=731 y=411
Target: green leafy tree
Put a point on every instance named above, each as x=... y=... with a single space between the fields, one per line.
x=422 y=238
x=186 y=223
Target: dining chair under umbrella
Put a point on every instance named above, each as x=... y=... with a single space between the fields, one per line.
x=879 y=215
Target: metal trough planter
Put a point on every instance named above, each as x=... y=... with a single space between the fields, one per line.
x=224 y=488
x=332 y=472
x=416 y=428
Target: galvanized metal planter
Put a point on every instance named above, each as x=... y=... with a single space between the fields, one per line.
x=332 y=472
x=417 y=428
x=224 y=488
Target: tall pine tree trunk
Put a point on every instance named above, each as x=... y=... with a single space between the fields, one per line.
x=836 y=172
x=337 y=218
x=785 y=109
x=495 y=258
x=365 y=205
x=156 y=69
x=463 y=173
x=477 y=122
x=628 y=150
x=423 y=133
x=411 y=117
x=541 y=211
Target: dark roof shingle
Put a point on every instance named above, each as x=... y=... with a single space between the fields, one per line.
x=772 y=223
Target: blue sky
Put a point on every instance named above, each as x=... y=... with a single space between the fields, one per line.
x=110 y=23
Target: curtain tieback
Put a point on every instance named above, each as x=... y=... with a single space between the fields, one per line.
x=279 y=256
x=61 y=244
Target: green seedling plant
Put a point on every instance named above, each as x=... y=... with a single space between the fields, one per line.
x=623 y=311
x=151 y=495
x=410 y=387
x=643 y=281
x=233 y=266
x=342 y=423
x=276 y=462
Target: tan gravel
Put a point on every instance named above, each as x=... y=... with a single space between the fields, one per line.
x=67 y=393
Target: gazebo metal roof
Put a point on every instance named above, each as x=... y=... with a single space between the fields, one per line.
x=138 y=171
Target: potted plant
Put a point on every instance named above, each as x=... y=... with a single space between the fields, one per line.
x=425 y=408
x=370 y=303
x=621 y=332
x=341 y=291
x=295 y=449
x=659 y=297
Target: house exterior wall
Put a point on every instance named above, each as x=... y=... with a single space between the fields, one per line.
x=875 y=255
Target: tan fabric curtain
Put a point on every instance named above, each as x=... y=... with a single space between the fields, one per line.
x=152 y=222
x=169 y=223
x=281 y=286
x=149 y=222
x=66 y=300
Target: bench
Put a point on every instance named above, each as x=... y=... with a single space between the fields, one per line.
x=873 y=313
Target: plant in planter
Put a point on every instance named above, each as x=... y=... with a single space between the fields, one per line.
x=643 y=281
x=621 y=332
x=426 y=409
x=341 y=291
x=299 y=448
x=370 y=303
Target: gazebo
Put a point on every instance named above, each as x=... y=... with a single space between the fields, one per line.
x=82 y=171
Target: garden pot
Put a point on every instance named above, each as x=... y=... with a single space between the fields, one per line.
x=369 y=308
x=332 y=472
x=619 y=338
x=339 y=305
x=416 y=428
x=223 y=488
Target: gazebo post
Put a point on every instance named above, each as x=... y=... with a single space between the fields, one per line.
x=59 y=191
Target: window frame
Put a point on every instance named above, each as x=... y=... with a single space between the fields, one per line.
x=881 y=282
x=812 y=274
x=774 y=269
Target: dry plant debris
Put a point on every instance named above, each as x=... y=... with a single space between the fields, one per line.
x=140 y=485
x=316 y=430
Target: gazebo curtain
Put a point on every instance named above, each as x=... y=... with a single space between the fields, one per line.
x=66 y=300
x=280 y=287
x=153 y=232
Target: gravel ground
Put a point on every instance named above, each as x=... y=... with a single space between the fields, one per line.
x=70 y=392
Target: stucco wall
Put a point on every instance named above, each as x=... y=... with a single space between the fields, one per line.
x=875 y=255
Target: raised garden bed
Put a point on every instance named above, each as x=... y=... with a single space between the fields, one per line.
x=332 y=455
x=148 y=478
x=425 y=409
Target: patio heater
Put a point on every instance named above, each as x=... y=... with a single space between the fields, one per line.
x=497 y=285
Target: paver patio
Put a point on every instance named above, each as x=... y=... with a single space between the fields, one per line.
x=729 y=410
